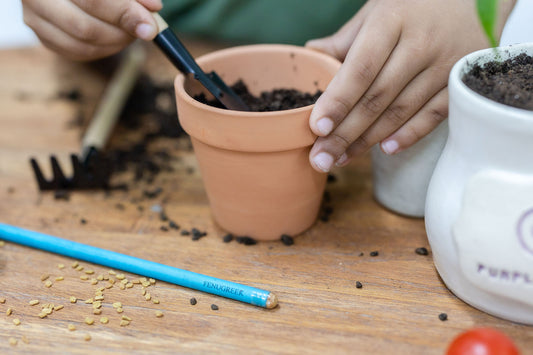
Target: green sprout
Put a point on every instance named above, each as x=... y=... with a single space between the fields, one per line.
x=487 y=11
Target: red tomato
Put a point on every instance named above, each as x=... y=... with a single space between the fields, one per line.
x=482 y=341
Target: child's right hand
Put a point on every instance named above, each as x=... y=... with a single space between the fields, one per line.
x=90 y=29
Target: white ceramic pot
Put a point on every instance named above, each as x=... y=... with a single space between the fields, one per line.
x=400 y=181
x=479 y=207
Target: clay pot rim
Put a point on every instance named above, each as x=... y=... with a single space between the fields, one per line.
x=180 y=78
x=461 y=66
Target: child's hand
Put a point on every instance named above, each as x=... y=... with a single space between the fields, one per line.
x=392 y=86
x=90 y=29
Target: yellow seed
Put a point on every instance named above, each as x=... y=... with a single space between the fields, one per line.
x=117 y=305
x=136 y=282
x=44 y=277
x=158 y=314
x=2 y=243
x=104 y=320
x=2 y=300
x=120 y=276
x=89 y=320
x=99 y=298
x=122 y=287
x=47 y=305
x=155 y=300
x=100 y=277
x=145 y=283
x=124 y=323
x=129 y=285
x=89 y=272
x=124 y=281
x=60 y=278
x=57 y=308
x=144 y=291
x=97 y=304
x=109 y=286
x=84 y=277
x=16 y=321
x=12 y=341
x=94 y=281
x=111 y=281
x=90 y=300
x=42 y=315
x=120 y=310
x=100 y=289
x=111 y=272
x=71 y=327
x=126 y=318
x=87 y=337
x=60 y=266
x=75 y=264
x=34 y=302
x=152 y=281
x=48 y=283
x=79 y=268
x=148 y=297
x=25 y=340
x=97 y=311
x=9 y=311
x=73 y=299
x=47 y=311
x=143 y=279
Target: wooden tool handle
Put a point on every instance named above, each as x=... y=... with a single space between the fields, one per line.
x=113 y=99
x=161 y=23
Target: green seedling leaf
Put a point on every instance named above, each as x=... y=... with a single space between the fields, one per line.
x=487 y=11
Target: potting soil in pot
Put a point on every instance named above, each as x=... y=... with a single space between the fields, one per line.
x=274 y=100
x=509 y=82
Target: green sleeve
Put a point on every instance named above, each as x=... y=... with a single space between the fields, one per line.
x=259 y=21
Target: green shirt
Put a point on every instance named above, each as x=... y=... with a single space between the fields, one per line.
x=259 y=21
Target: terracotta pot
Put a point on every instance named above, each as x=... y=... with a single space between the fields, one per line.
x=255 y=165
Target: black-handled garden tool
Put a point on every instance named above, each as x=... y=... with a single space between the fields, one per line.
x=91 y=169
x=169 y=43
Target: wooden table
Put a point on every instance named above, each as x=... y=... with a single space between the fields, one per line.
x=320 y=308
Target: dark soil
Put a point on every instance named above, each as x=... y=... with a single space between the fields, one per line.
x=509 y=82
x=274 y=100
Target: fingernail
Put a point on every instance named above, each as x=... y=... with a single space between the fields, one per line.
x=342 y=160
x=390 y=146
x=323 y=161
x=145 y=31
x=324 y=125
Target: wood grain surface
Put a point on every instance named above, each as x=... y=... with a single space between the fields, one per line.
x=320 y=308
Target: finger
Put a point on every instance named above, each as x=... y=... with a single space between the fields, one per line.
x=338 y=44
x=411 y=99
x=425 y=120
x=62 y=43
x=363 y=62
x=129 y=15
x=79 y=24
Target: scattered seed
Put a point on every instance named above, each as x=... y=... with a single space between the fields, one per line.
x=60 y=266
x=126 y=318
x=421 y=251
x=374 y=253
x=228 y=238
x=60 y=278
x=148 y=297
x=287 y=239
x=358 y=284
x=57 y=308
x=89 y=321
x=34 y=302
x=16 y=321
x=79 y=268
x=185 y=232
x=152 y=281
x=2 y=300
x=193 y=301
x=155 y=301
x=97 y=304
x=94 y=281
x=89 y=272
x=42 y=315
x=443 y=317
x=173 y=225
x=89 y=301
x=25 y=340
x=104 y=320
x=87 y=337
x=120 y=310
x=13 y=341
x=75 y=264
x=99 y=297
x=84 y=277
x=73 y=299
x=71 y=327
x=214 y=307
x=120 y=276
x=83 y=221
x=158 y=314
x=124 y=323
x=44 y=277
x=47 y=310
x=145 y=283
x=9 y=311
x=111 y=272
x=97 y=311
x=2 y=243
x=246 y=240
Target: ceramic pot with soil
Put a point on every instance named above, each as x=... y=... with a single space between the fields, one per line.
x=254 y=165
x=479 y=209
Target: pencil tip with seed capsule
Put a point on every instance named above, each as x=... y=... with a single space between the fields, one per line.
x=272 y=301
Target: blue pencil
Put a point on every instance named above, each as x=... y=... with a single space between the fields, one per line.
x=228 y=289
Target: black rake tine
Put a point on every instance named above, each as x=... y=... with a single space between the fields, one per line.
x=41 y=181
x=59 y=178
